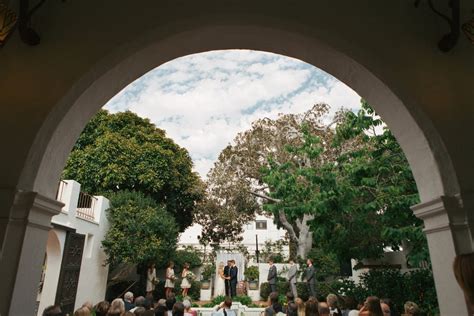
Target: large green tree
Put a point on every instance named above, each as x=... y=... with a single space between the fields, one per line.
x=123 y=151
x=359 y=199
x=141 y=230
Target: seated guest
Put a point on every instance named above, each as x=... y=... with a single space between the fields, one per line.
x=187 y=309
x=292 y=309
x=410 y=308
x=385 y=308
x=350 y=307
x=53 y=310
x=139 y=311
x=299 y=302
x=463 y=267
x=117 y=308
x=128 y=313
x=323 y=309
x=101 y=308
x=332 y=302
x=170 y=303
x=83 y=311
x=161 y=310
x=371 y=307
x=272 y=304
x=311 y=307
x=290 y=298
x=178 y=309
x=224 y=308
x=128 y=300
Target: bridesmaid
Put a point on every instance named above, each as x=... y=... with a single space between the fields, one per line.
x=151 y=279
x=169 y=284
x=185 y=284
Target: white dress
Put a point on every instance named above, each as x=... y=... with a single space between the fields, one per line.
x=219 y=286
x=185 y=284
x=150 y=286
x=169 y=278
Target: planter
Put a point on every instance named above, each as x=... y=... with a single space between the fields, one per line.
x=205 y=284
x=253 y=285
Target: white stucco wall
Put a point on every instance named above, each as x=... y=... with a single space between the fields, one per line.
x=93 y=276
x=272 y=233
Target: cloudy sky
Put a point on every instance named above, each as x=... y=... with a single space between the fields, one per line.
x=204 y=100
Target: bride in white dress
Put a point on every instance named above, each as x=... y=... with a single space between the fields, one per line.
x=219 y=288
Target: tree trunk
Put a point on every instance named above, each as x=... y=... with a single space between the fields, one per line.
x=302 y=236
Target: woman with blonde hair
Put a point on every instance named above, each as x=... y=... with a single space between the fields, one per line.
x=299 y=302
x=219 y=288
x=185 y=283
x=117 y=308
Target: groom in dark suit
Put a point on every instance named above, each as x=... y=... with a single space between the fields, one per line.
x=234 y=271
x=227 y=277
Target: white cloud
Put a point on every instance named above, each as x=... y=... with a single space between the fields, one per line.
x=204 y=100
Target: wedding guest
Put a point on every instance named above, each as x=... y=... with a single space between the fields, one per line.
x=224 y=308
x=83 y=311
x=311 y=307
x=89 y=305
x=291 y=276
x=185 y=283
x=117 y=308
x=332 y=302
x=227 y=277
x=151 y=279
x=128 y=313
x=139 y=311
x=178 y=309
x=169 y=284
x=299 y=302
x=371 y=307
x=101 y=308
x=292 y=309
x=310 y=277
x=385 y=309
x=410 y=308
x=463 y=267
x=128 y=300
x=273 y=305
x=139 y=302
x=272 y=276
x=350 y=307
x=187 y=308
x=170 y=303
x=161 y=311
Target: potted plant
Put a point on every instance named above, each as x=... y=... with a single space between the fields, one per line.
x=251 y=275
x=206 y=274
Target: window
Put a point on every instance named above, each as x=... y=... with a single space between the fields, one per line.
x=260 y=224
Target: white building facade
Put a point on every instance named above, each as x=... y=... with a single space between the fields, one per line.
x=74 y=269
x=259 y=231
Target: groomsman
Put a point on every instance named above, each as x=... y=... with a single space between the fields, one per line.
x=227 y=277
x=272 y=276
x=292 y=277
x=310 y=277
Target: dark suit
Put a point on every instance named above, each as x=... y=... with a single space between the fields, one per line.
x=311 y=280
x=272 y=278
x=234 y=271
x=227 y=282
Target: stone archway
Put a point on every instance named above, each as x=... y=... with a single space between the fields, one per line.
x=426 y=150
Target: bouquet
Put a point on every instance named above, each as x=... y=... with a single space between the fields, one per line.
x=190 y=276
x=155 y=281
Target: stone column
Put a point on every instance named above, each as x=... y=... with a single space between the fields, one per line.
x=25 y=219
x=448 y=231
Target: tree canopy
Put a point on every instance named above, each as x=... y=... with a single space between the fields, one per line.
x=141 y=230
x=123 y=151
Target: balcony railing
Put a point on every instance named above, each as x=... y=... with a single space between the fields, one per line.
x=86 y=206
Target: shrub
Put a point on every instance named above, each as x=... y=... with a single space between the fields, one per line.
x=194 y=292
x=207 y=271
x=252 y=273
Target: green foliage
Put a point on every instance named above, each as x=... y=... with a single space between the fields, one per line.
x=125 y=152
x=243 y=299
x=141 y=231
x=274 y=250
x=207 y=271
x=252 y=273
x=188 y=255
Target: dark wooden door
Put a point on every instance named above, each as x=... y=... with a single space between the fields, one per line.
x=70 y=269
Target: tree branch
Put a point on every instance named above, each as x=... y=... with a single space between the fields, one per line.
x=266 y=197
x=287 y=225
